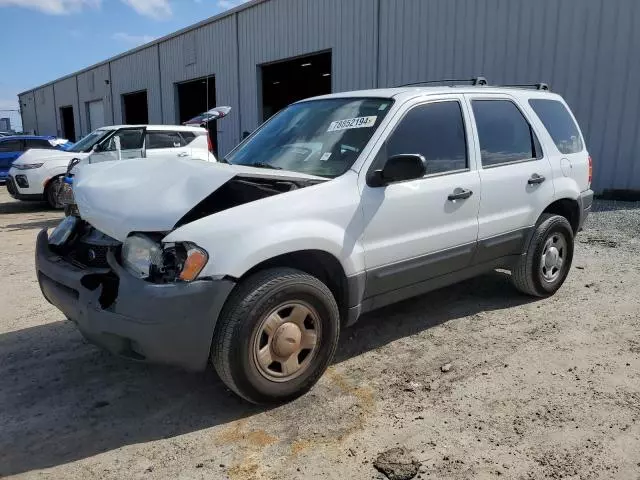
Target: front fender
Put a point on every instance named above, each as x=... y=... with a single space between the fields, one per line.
x=234 y=256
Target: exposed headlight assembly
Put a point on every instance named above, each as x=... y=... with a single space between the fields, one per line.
x=151 y=260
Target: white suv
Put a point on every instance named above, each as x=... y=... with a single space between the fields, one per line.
x=38 y=174
x=336 y=206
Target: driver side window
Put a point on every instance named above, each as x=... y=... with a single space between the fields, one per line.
x=437 y=132
x=130 y=139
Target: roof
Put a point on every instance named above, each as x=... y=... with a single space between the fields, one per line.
x=28 y=137
x=404 y=93
x=207 y=21
x=172 y=128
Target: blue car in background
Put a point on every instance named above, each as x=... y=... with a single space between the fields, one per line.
x=11 y=147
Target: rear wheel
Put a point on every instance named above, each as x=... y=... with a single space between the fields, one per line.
x=51 y=194
x=276 y=336
x=544 y=268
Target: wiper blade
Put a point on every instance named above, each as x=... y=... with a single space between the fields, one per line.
x=264 y=165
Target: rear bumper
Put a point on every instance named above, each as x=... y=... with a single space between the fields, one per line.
x=585 y=200
x=171 y=324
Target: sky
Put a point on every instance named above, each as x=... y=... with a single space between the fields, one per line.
x=41 y=40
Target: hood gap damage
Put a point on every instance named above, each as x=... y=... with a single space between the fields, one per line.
x=240 y=190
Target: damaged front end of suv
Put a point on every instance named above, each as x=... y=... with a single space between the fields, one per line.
x=115 y=275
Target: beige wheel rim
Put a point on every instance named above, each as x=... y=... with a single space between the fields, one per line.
x=286 y=341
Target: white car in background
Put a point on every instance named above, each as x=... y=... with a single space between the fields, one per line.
x=38 y=174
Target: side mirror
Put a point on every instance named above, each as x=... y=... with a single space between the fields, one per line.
x=96 y=148
x=399 y=168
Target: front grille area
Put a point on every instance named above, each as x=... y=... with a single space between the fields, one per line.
x=91 y=255
x=89 y=247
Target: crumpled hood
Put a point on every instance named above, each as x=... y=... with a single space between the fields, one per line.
x=152 y=195
x=41 y=155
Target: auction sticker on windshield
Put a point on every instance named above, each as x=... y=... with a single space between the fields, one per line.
x=347 y=123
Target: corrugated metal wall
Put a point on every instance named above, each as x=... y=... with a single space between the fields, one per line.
x=46 y=113
x=66 y=93
x=209 y=50
x=585 y=49
x=135 y=72
x=92 y=86
x=278 y=30
x=28 y=112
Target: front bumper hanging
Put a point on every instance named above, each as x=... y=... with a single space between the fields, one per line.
x=169 y=323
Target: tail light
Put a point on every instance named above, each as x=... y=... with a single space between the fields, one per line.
x=590 y=170
x=210 y=146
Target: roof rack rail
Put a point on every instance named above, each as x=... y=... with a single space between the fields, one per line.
x=537 y=86
x=476 y=81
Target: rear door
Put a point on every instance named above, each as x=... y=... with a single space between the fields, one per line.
x=130 y=140
x=10 y=150
x=165 y=143
x=516 y=175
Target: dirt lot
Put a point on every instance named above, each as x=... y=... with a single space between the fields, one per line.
x=536 y=389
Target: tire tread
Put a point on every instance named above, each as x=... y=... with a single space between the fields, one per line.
x=522 y=274
x=237 y=308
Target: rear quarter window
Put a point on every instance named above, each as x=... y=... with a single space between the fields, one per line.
x=556 y=119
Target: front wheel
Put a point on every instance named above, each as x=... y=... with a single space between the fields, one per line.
x=544 y=268
x=51 y=193
x=276 y=335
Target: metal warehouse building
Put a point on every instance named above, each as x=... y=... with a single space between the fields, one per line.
x=267 y=53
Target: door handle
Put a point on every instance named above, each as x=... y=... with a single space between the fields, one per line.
x=183 y=154
x=459 y=194
x=536 y=179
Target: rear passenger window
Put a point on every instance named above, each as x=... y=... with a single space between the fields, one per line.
x=11 y=146
x=164 y=140
x=559 y=124
x=38 y=143
x=505 y=135
x=435 y=131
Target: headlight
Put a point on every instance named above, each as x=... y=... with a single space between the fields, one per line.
x=28 y=166
x=139 y=253
x=162 y=263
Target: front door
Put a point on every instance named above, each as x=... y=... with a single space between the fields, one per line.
x=124 y=143
x=517 y=179
x=421 y=229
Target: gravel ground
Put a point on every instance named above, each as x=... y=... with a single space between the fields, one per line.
x=535 y=389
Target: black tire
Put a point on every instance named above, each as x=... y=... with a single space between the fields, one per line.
x=51 y=193
x=527 y=275
x=232 y=352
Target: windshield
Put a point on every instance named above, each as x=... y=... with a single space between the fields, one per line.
x=87 y=143
x=319 y=137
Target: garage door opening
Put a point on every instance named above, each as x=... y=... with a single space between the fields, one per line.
x=135 y=108
x=292 y=80
x=196 y=97
x=68 y=125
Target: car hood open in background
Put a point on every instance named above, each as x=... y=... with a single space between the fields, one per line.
x=140 y=195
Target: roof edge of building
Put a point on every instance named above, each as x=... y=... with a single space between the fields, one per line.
x=245 y=6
